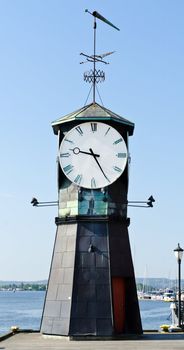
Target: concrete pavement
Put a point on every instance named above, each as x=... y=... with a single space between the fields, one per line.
x=36 y=341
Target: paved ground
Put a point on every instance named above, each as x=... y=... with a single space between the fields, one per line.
x=35 y=341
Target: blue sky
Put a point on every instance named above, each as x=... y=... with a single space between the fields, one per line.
x=41 y=80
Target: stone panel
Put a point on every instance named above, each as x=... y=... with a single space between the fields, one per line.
x=64 y=292
x=71 y=229
x=119 y=243
x=80 y=326
x=102 y=293
x=57 y=276
x=68 y=259
x=103 y=309
x=83 y=244
x=86 y=229
x=102 y=260
x=52 y=292
x=52 y=308
x=68 y=275
x=121 y=265
x=56 y=315
x=100 y=243
x=71 y=242
x=60 y=326
x=47 y=324
x=86 y=260
x=100 y=229
x=86 y=292
x=102 y=275
x=91 y=309
x=85 y=275
x=65 y=309
x=104 y=327
x=61 y=244
x=79 y=309
x=57 y=260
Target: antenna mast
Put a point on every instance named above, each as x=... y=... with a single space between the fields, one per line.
x=95 y=76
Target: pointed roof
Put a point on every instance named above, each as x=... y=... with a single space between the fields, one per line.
x=93 y=111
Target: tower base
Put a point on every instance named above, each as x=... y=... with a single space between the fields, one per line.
x=91 y=290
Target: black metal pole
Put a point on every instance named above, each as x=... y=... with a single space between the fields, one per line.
x=179 y=292
x=94 y=62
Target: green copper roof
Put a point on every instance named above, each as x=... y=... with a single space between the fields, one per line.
x=93 y=112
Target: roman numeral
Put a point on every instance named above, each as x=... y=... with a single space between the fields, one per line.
x=116 y=168
x=117 y=141
x=67 y=169
x=68 y=140
x=121 y=155
x=78 y=179
x=79 y=130
x=94 y=127
x=62 y=155
x=93 y=183
x=107 y=131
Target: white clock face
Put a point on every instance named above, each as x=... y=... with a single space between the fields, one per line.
x=93 y=155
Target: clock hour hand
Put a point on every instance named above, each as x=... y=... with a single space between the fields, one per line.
x=94 y=155
x=77 y=150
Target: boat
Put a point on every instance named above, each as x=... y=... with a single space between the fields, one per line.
x=144 y=296
x=169 y=295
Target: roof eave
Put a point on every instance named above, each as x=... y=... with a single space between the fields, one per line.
x=130 y=126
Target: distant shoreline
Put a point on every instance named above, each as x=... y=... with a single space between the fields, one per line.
x=23 y=286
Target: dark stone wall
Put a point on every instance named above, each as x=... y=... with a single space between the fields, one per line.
x=79 y=300
x=91 y=301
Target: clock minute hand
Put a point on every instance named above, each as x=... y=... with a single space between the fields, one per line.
x=94 y=155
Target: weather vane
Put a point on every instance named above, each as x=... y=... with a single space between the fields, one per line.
x=95 y=76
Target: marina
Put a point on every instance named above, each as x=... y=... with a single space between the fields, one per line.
x=167 y=295
x=24 y=310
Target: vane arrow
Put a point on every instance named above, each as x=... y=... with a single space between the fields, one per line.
x=99 y=16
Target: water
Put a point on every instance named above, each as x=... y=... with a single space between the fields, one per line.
x=154 y=313
x=24 y=309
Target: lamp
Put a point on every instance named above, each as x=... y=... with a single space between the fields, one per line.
x=178 y=252
x=36 y=203
x=139 y=204
x=142 y=204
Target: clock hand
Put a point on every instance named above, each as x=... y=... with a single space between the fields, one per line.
x=77 y=150
x=94 y=155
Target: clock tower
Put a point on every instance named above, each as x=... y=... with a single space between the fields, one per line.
x=91 y=288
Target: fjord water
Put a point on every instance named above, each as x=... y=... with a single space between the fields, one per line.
x=24 y=309
x=154 y=313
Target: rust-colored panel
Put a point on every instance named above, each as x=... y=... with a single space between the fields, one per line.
x=118 y=297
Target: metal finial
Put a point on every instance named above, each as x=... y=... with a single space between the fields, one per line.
x=95 y=76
